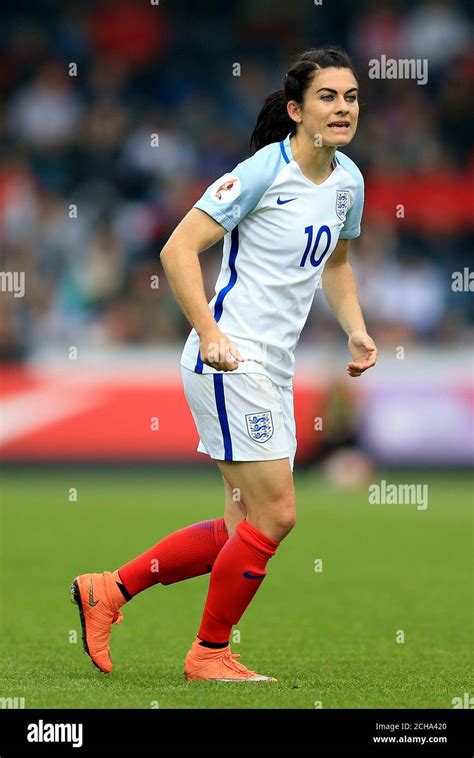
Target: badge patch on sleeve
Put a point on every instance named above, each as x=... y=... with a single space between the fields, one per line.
x=226 y=189
x=259 y=425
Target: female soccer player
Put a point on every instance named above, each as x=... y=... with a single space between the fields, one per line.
x=286 y=214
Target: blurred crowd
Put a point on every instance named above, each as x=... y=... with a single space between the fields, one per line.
x=118 y=114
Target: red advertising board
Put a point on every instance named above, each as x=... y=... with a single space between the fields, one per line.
x=89 y=416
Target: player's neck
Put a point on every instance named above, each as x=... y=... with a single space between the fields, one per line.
x=315 y=162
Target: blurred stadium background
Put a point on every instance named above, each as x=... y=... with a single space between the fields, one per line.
x=89 y=356
x=87 y=202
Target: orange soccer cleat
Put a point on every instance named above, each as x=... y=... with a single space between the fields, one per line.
x=219 y=665
x=98 y=599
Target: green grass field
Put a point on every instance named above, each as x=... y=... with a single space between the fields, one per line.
x=330 y=637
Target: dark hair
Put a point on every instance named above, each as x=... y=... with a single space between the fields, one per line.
x=273 y=121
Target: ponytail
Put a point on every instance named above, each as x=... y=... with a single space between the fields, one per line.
x=273 y=122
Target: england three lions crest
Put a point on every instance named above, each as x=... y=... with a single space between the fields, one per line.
x=342 y=203
x=259 y=425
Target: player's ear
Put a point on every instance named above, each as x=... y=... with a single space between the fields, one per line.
x=294 y=111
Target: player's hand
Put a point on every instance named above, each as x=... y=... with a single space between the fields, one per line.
x=363 y=352
x=218 y=351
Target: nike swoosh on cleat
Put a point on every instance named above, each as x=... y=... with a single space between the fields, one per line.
x=249 y=575
x=282 y=202
x=91 y=596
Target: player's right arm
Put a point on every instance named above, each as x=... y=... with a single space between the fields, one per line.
x=180 y=259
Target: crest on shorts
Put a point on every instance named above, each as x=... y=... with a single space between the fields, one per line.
x=342 y=203
x=259 y=425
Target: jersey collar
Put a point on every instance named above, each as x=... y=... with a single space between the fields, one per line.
x=285 y=148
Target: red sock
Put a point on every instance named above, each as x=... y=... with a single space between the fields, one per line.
x=236 y=576
x=188 y=552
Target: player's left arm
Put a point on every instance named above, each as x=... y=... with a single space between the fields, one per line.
x=341 y=293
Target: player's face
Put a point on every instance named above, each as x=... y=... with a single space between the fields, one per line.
x=330 y=106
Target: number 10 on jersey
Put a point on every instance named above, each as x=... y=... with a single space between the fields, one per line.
x=309 y=231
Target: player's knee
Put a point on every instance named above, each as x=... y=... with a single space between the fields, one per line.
x=276 y=521
x=284 y=516
x=285 y=522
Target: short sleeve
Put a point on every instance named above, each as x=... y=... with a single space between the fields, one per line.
x=351 y=228
x=234 y=195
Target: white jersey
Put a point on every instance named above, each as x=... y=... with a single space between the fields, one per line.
x=282 y=228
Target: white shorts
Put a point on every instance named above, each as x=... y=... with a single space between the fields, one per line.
x=241 y=417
